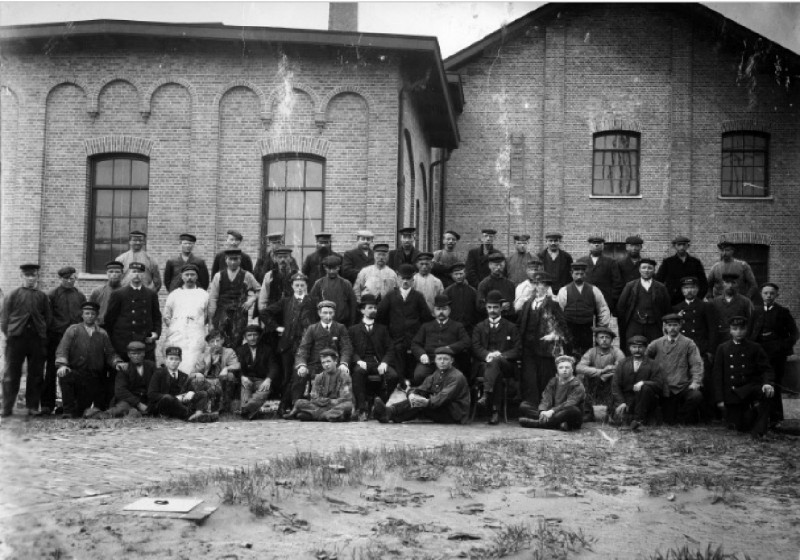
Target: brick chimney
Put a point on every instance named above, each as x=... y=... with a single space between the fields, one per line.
x=343 y=16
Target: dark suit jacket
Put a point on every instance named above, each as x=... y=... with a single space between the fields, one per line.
x=404 y=318
x=625 y=378
x=671 y=271
x=779 y=340
x=432 y=335
x=604 y=275
x=398 y=257
x=268 y=263
x=312 y=266
x=353 y=261
x=477 y=265
x=737 y=368
x=627 y=303
x=559 y=269
x=162 y=384
x=507 y=340
x=317 y=338
x=294 y=318
x=132 y=315
x=381 y=342
x=628 y=270
x=172 y=272
x=463 y=304
x=699 y=324
x=131 y=387
x=548 y=316
x=266 y=364
x=219 y=263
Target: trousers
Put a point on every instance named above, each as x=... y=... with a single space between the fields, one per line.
x=19 y=349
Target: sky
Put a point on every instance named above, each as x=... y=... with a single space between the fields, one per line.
x=455 y=24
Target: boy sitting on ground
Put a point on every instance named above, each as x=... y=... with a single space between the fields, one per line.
x=331 y=393
x=561 y=406
x=169 y=392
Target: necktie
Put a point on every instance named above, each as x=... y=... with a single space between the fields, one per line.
x=369 y=328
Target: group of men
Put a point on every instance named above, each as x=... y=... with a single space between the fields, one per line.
x=398 y=334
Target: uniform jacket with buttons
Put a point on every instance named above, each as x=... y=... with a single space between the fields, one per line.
x=699 y=324
x=132 y=315
x=739 y=367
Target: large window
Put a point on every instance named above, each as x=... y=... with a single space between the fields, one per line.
x=615 y=171
x=119 y=205
x=294 y=200
x=745 y=162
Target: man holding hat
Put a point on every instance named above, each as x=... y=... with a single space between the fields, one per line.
x=359 y=257
x=743 y=380
x=443 y=397
x=555 y=261
x=151 y=277
x=170 y=393
x=517 y=262
x=276 y=283
x=637 y=387
x=331 y=397
x=442 y=331
x=727 y=265
x=134 y=315
x=730 y=303
x=132 y=384
x=463 y=298
x=102 y=294
x=24 y=321
x=424 y=282
x=496 y=348
x=216 y=373
x=596 y=369
x=260 y=370
x=602 y=272
x=407 y=253
x=186 y=316
x=478 y=258
x=65 y=303
x=232 y=241
x=583 y=305
x=643 y=303
x=561 y=404
x=174 y=267
x=82 y=357
x=231 y=295
x=373 y=357
x=497 y=281
x=629 y=264
x=312 y=266
x=679 y=359
x=446 y=257
x=376 y=279
x=681 y=265
x=333 y=287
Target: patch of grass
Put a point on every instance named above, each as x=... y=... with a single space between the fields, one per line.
x=511 y=539
x=685 y=553
x=682 y=479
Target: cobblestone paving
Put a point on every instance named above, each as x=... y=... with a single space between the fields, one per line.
x=38 y=467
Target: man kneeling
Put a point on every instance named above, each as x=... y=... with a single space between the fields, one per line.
x=443 y=396
x=331 y=393
x=561 y=406
x=169 y=394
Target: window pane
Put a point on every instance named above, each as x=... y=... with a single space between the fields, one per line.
x=276 y=201
x=102 y=230
x=314 y=205
x=294 y=174
x=103 y=202
x=313 y=175
x=310 y=228
x=118 y=248
x=759 y=160
x=102 y=254
x=738 y=141
x=760 y=143
x=727 y=143
x=294 y=204
x=120 y=232
x=139 y=203
x=122 y=172
x=139 y=173
x=122 y=203
x=138 y=224
x=294 y=232
x=277 y=175
x=102 y=172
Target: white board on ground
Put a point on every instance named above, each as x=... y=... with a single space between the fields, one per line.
x=175 y=505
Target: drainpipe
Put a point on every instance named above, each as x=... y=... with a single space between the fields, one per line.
x=442 y=184
x=401 y=186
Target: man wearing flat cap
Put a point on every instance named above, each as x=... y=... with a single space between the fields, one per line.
x=132 y=383
x=174 y=267
x=603 y=272
x=403 y=311
x=331 y=396
x=679 y=359
x=446 y=257
x=276 y=283
x=170 y=393
x=359 y=257
x=333 y=287
x=629 y=264
x=233 y=239
x=463 y=298
x=312 y=266
x=406 y=253
x=271 y=260
x=731 y=303
x=424 y=282
x=82 y=357
x=596 y=369
x=517 y=261
x=443 y=397
x=186 y=316
x=232 y=294
x=478 y=258
x=134 y=315
x=583 y=305
x=217 y=374
x=727 y=265
x=65 y=302
x=496 y=348
x=555 y=261
x=101 y=294
x=680 y=265
x=151 y=277
x=497 y=281
x=643 y=303
x=744 y=383
x=561 y=405
x=441 y=331
x=260 y=370
x=376 y=279
x=637 y=387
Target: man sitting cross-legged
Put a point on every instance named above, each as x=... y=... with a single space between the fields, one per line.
x=170 y=394
x=596 y=369
x=561 y=406
x=260 y=369
x=443 y=397
x=637 y=386
x=130 y=387
x=331 y=397
x=215 y=373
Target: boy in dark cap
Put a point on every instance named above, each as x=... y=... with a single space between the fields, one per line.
x=333 y=287
x=424 y=282
x=134 y=315
x=729 y=304
x=445 y=258
x=637 y=387
x=596 y=369
x=65 y=303
x=82 y=356
x=561 y=405
x=442 y=331
x=24 y=321
x=463 y=298
x=680 y=265
x=497 y=281
x=331 y=398
x=478 y=258
x=407 y=253
x=170 y=394
x=174 y=267
x=260 y=370
x=102 y=294
x=517 y=262
x=744 y=380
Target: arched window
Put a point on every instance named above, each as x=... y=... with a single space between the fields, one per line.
x=119 y=201
x=294 y=200
x=616 y=164
x=745 y=164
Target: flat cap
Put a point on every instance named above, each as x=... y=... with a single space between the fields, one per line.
x=737 y=321
x=457 y=266
x=114 y=264
x=496 y=256
x=647 y=260
x=454 y=234
x=596 y=239
x=189 y=267
x=441 y=300
x=187 y=237
x=680 y=239
x=604 y=330
x=173 y=351
x=637 y=339
x=326 y=303
x=424 y=256
x=332 y=261
x=406 y=270
x=214 y=333
x=689 y=281
x=328 y=353
x=93 y=305
x=364 y=233
x=323 y=235
x=135 y=345
x=770 y=285
x=381 y=247
x=565 y=358
x=444 y=350
x=489 y=231
x=634 y=240
x=534 y=261
x=553 y=235
x=543 y=277
x=368 y=299
x=136 y=266
x=282 y=250
x=299 y=276
x=672 y=318
x=234 y=233
x=522 y=237
x=233 y=252
x=66 y=271
x=730 y=277
x=137 y=233
x=724 y=243
x=494 y=297
x=578 y=266
x=253 y=328
x=407 y=230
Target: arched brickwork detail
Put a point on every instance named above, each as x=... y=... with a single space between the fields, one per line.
x=118 y=143
x=321 y=118
x=617 y=236
x=252 y=87
x=87 y=91
x=609 y=122
x=147 y=98
x=746 y=237
x=746 y=124
x=95 y=94
x=273 y=97
x=294 y=144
